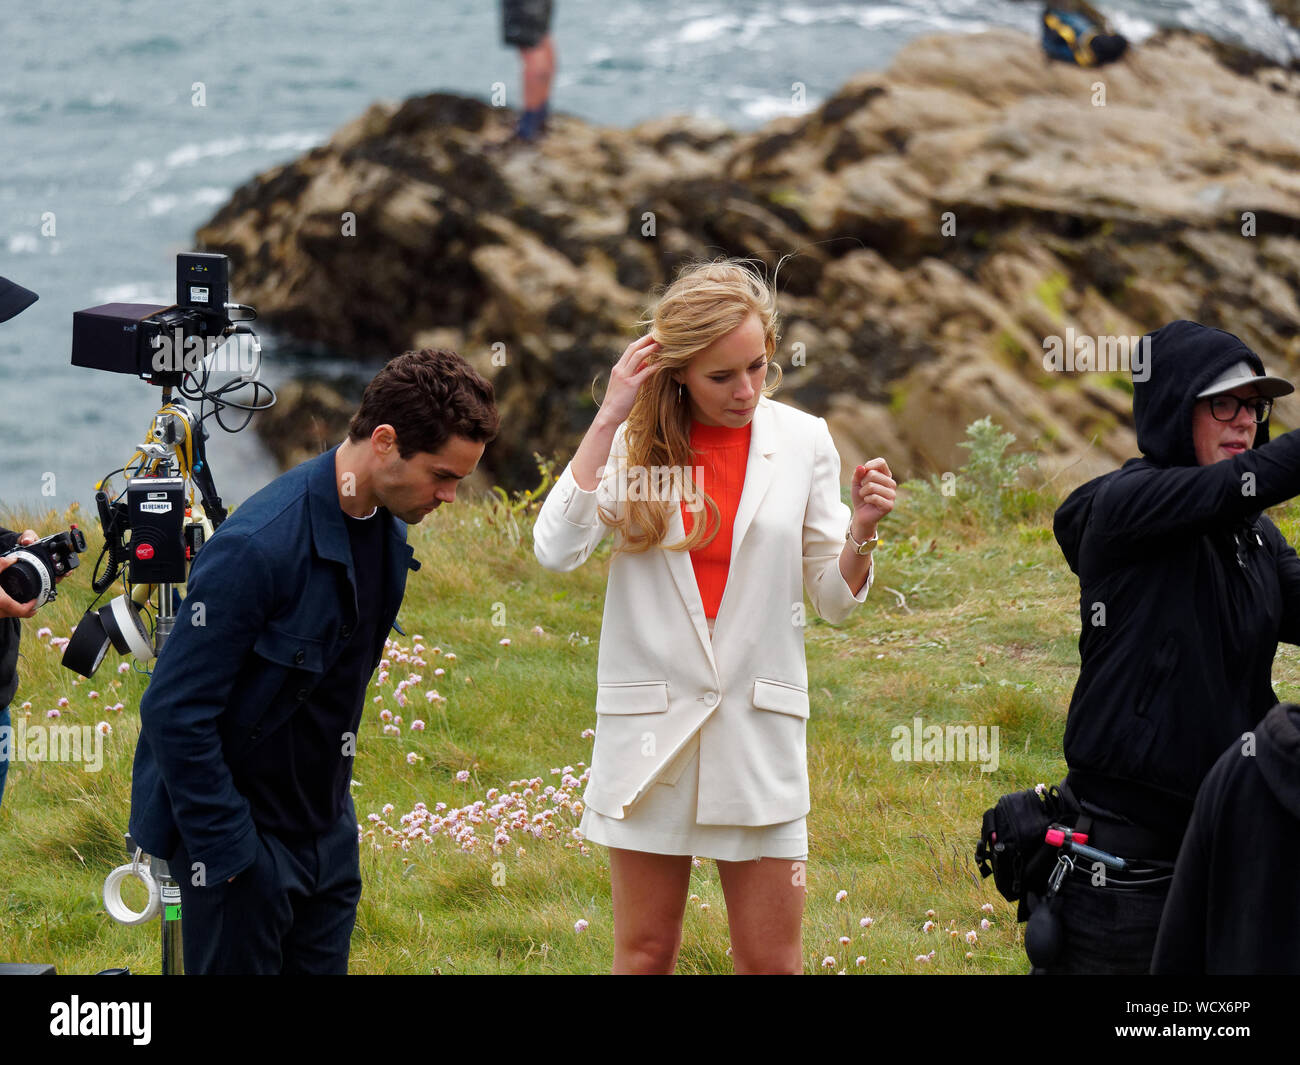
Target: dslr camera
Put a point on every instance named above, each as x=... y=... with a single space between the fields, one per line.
x=37 y=566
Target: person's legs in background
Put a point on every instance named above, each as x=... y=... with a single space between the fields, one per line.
x=539 y=69
x=526 y=25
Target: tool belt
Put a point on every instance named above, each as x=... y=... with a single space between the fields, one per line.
x=1016 y=846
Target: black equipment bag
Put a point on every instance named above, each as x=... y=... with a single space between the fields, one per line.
x=1013 y=848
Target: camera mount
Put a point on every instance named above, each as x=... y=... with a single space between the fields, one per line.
x=154 y=528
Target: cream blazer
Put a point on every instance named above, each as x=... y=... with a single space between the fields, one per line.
x=661 y=679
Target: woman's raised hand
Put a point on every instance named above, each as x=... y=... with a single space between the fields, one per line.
x=874 y=491
x=626 y=378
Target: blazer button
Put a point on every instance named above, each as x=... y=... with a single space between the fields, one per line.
x=346 y=631
x=300 y=657
x=302 y=694
x=709 y=699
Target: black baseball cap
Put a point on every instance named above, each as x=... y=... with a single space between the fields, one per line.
x=14 y=299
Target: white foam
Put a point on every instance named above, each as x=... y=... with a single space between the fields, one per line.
x=708 y=29
x=209 y=196
x=134 y=292
x=190 y=154
x=763 y=108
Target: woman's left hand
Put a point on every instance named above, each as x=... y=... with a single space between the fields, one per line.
x=872 y=494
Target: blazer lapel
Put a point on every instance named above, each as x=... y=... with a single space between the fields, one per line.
x=683 y=574
x=758 y=474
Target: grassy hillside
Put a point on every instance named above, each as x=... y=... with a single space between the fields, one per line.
x=973 y=620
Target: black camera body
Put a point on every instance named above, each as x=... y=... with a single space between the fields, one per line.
x=155 y=343
x=38 y=565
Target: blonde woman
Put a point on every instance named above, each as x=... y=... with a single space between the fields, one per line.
x=725 y=507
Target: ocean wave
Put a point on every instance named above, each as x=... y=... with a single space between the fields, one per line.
x=149 y=174
x=763 y=108
x=189 y=154
x=166 y=203
x=23 y=244
x=730 y=31
x=134 y=292
x=97 y=102
x=1249 y=22
x=709 y=28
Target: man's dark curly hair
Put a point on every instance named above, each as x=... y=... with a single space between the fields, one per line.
x=427 y=397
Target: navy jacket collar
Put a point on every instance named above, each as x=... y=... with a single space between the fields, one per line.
x=330 y=535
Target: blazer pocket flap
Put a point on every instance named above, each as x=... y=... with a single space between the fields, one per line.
x=784 y=698
x=286 y=649
x=642 y=697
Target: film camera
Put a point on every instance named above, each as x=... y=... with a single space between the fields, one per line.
x=154 y=528
x=37 y=566
x=161 y=344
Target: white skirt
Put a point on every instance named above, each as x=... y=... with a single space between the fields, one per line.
x=663 y=821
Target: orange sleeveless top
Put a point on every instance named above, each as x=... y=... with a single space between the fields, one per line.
x=723 y=454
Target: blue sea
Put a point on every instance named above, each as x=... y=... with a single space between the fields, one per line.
x=107 y=166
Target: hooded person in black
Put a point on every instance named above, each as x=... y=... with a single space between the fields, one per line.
x=1233 y=907
x=1185 y=591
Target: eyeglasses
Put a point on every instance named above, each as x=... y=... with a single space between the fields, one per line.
x=1226 y=408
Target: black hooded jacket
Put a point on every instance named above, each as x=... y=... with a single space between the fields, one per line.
x=10 y=634
x=1185 y=591
x=1233 y=906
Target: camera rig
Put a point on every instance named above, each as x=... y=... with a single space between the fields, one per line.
x=154 y=527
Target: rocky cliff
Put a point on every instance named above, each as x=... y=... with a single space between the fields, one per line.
x=941 y=218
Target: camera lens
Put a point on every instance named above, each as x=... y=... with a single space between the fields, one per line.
x=21 y=582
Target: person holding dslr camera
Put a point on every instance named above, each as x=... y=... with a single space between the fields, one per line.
x=13 y=300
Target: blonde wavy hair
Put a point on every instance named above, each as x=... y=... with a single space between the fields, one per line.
x=706 y=302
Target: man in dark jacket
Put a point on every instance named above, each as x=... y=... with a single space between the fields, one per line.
x=13 y=300
x=1234 y=907
x=250 y=722
x=1185 y=591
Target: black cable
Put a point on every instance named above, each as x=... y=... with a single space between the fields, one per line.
x=110 y=516
x=201 y=474
x=198 y=388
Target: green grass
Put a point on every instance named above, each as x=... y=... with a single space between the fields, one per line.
x=982 y=631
